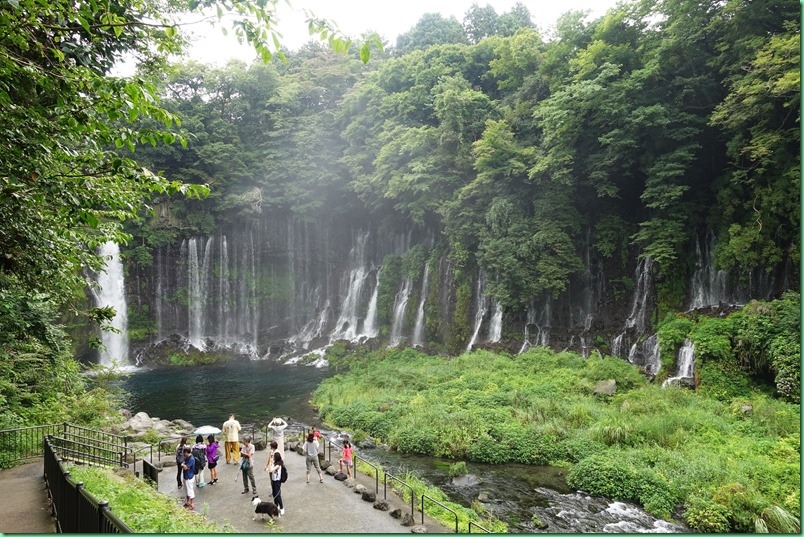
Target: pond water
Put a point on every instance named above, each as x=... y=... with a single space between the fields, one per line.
x=255 y=391
x=258 y=390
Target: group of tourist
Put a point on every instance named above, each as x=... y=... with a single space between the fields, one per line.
x=192 y=460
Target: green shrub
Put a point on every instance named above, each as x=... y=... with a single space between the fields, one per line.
x=458 y=468
x=706 y=516
x=488 y=450
x=605 y=475
x=578 y=448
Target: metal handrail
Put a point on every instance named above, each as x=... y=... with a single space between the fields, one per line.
x=477 y=526
x=443 y=506
x=376 y=472
x=385 y=487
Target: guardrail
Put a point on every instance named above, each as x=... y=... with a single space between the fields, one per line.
x=385 y=488
x=150 y=473
x=25 y=442
x=471 y=523
x=376 y=472
x=425 y=496
x=75 y=509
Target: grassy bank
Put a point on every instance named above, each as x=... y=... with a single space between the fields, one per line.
x=727 y=468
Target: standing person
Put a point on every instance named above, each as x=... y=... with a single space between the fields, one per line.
x=278 y=426
x=346 y=458
x=231 y=428
x=180 y=458
x=310 y=449
x=199 y=451
x=247 y=465
x=189 y=477
x=276 y=481
x=316 y=433
x=270 y=460
x=212 y=459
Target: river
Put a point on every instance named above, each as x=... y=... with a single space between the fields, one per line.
x=258 y=390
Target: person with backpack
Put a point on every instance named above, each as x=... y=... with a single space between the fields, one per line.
x=180 y=458
x=212 y=459
x=279 y=475
x=199 y=451
x=310 y=449
x=188 y=467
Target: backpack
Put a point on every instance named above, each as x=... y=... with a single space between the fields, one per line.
x=283 y=476
x=200 y=456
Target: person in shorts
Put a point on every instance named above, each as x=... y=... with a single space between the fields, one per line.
x=189 y=478
x=346 y=458
x=310 y=449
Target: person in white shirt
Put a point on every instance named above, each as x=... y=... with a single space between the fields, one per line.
x=231 y=428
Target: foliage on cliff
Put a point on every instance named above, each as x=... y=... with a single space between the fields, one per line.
x=637 y=131
x=731 y=465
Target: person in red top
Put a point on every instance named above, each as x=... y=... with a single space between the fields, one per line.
x=346 y=458
x=316 y=434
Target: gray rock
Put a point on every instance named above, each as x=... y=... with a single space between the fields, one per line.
x=483 y=496
x=126 y=413
x=360 y=489
x=418 y=529
x=139 y=423
x=299 y=450
x=340 y=476
x=605 y=387
x=381 y=505
x=407 y=520
x=331 y=470
x=367 y=443
x=351 y=483
x=325 y=464
x=747 y=409
x=369 y=496
x=184 y=425
x=396 y=513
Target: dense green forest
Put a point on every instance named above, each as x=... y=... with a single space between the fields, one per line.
x=512 y=150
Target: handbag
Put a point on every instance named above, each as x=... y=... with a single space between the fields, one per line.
x=245 y=464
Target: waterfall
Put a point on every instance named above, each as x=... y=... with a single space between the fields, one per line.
x=495 y=326
x=617 y=345
x=638 y=318
x=224 y=296
x=646 y=355
x=418 y=331
x=686 y=363
x=482 y=308
x=314 y=329
x=542 y=325
x=346 y=326
x=400 y=304
x=195 y=306
x=111 y=283
x=370 y=328
x=708 y=285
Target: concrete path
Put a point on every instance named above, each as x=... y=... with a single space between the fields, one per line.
x=24 y=507
x=328 y=507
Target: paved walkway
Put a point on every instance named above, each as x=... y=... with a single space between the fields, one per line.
x=24 y=507
x=328 y=507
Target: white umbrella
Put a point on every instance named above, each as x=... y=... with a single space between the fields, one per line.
x=207 y=429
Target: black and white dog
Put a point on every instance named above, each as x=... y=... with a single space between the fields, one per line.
x=264 y=508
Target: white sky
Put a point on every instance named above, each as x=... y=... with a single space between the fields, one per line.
x=388 y=18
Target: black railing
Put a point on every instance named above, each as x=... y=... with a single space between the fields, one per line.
x=425 y=496
x=376 y=473
x=150 y=473
x=478 y=526
x=385 y=489
x=90 y=453
x=75 y=509
x=25 y=443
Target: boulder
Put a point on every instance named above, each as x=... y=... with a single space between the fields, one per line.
x=185 y=426
x=396 y=513
x=605 y=387
x=418 y=529
x=351 y=483
x=340 y=476
x=324 y=464
x=369 y=496
x=381 y=505
x=367 y=443
x=360 y=489
x=139 y=423
x=747 y=409
x=299 y=450
x=407 y=520
x=331 y=470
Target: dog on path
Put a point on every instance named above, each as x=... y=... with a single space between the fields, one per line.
x=264 y=508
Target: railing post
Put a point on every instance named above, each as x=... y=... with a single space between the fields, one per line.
x=103 y=506
x=77 y=511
